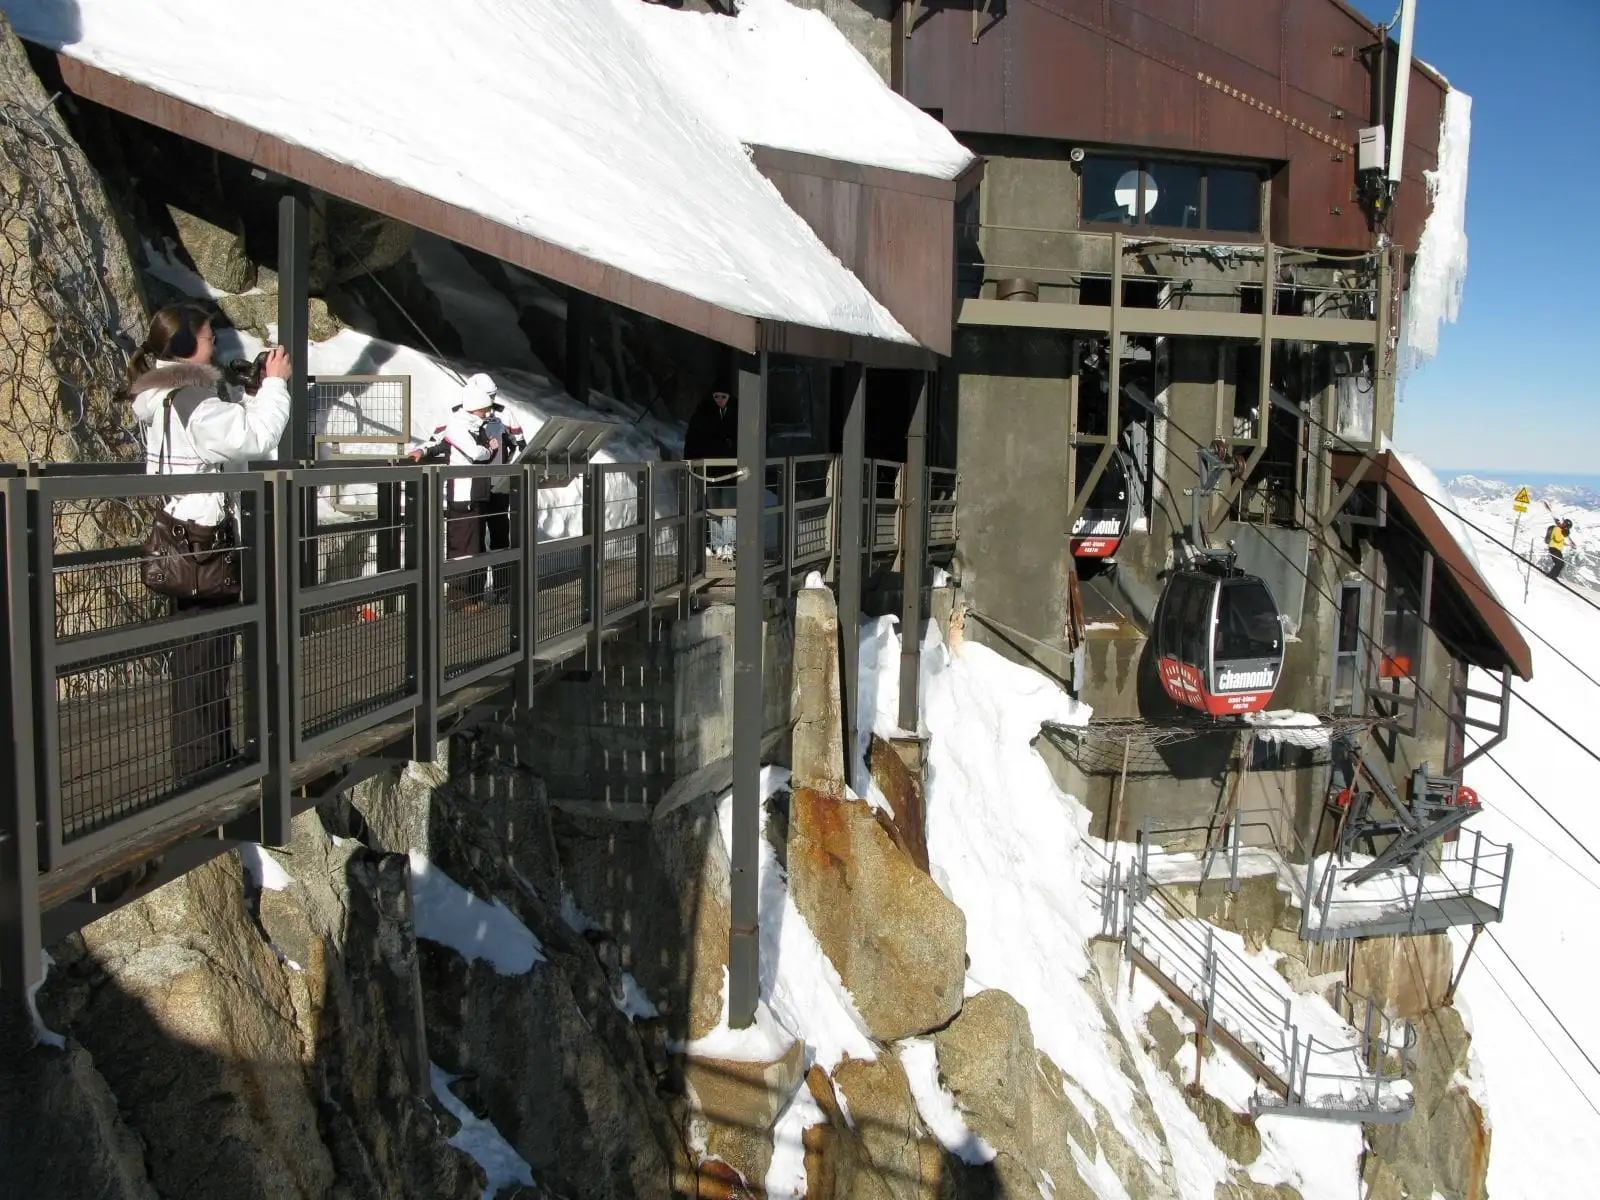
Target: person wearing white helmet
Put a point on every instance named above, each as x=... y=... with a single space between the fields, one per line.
x=464 y=440
x=507 y=430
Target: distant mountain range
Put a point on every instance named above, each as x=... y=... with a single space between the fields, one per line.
x=1560 y=496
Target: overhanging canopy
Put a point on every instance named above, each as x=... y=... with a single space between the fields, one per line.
x=541 y=134
x=1472 y=595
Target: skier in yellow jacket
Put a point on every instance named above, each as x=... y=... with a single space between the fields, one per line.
x=1555 y=541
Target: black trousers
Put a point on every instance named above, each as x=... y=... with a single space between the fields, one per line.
x=497 y=536
x=202 y=713
x=463 y=538
x=1558 y=563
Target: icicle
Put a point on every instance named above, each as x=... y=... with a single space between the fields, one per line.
x=1440 y=275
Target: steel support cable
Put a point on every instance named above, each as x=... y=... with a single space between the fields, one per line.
x=1539 y=1037
x=1424 y=692
x=1432 y=699
x=1524 y=1016
x=1539 y=996
x=1421 y=691
x=1370 y=457
x=1482 y=588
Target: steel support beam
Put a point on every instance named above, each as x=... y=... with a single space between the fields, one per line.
x=277 y=590
x=294 y=317
x=579 y=367
x=1079 y=499
x=913 y=552
x=852 y=468
x=21 y=958
x=744 y=983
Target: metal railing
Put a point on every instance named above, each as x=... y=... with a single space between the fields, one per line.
x=132 y=718
x=1359 y=1072
x=1078 y=259
x=801 y=518
x=1468 y=888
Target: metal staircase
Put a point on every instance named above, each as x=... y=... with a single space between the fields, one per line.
x=1354 y=1066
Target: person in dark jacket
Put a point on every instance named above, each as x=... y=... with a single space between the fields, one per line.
x=714 y=429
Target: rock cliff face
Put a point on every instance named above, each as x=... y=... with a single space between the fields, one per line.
x=73 y=304
x=223 y=1039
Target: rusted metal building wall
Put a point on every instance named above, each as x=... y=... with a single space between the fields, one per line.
x=895 y=231
x=1278 y=81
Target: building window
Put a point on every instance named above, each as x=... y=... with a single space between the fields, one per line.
x=1402 y=633
x=1151 y=193
x=1347 y=650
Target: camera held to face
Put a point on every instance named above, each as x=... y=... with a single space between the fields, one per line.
x=246 y=373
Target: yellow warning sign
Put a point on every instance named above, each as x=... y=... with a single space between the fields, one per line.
x=1520 y=500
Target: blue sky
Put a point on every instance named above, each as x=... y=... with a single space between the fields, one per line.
x=1514 y=385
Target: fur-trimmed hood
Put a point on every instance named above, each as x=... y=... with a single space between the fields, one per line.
x=151 y=387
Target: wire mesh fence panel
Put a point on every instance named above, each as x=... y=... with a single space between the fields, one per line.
x=357 y=416
x=340 y=548
x=621 y=575
x=136 y=729
x=97 y=565
x=562 y=512
x=355 y=658
x=666 y=565
x=562 y=603
x=883 y=506
x=941 y=507
x=812 y=516
x=481 y=631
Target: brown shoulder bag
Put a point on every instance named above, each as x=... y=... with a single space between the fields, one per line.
x=184 y=560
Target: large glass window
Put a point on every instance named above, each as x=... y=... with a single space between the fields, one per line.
x=1172 y=195
x=1247 y=622
x=1402 y=632
x=1164 y=194
x=1233 y=200
x=1110 y=190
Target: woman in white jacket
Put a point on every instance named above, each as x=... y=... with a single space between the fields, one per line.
x=196 y=424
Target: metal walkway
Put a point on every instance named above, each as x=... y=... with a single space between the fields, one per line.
x=142 y=733
x=1353 y=1066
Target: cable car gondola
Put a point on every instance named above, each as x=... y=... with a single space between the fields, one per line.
x=1219 y=642
x=1104 y=523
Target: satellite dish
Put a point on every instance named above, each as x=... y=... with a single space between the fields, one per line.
x=1127 y=192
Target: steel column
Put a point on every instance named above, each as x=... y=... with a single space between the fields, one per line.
x=1078 y=500
x=913 y=553
x=852 y=461
x=21 y=952
x=744 y=985
x=425 y=618
x=277 y=800
x=294 y=318
x=580 y=313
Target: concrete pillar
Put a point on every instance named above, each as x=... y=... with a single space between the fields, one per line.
x=744 y=984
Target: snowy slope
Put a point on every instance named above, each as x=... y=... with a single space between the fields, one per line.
x=780 y=76
x=1546 y=1129
x=1487 y=503
x=550 y=118
x=1013 y=852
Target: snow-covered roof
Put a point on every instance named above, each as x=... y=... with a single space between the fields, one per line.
x=780 y=76
x=554 y=120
